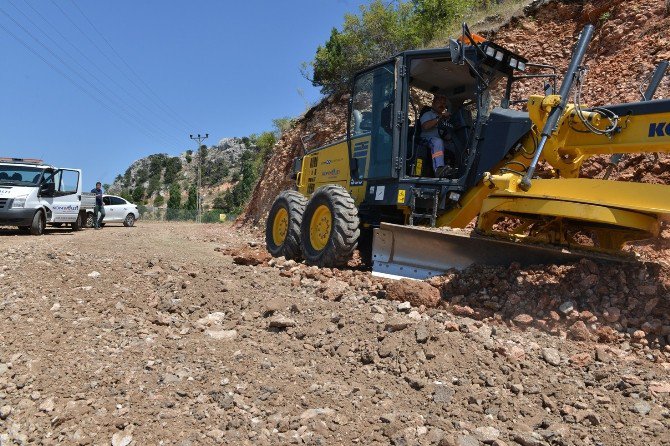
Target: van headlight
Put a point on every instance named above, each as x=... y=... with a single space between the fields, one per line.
x=19 y=202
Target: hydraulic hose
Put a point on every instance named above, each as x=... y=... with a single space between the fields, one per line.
x=556 y=112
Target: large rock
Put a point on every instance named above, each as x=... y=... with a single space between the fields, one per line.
x=222 y=335
x=579 y=331
x=551 y=356
x=412 y=291
x=280 y=321
x=253 y=257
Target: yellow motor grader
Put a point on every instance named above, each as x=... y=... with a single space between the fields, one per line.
x=376 y=188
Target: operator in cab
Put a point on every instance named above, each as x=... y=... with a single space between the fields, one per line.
x=431 y=136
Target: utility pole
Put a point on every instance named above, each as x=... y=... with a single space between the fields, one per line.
x=200 y=139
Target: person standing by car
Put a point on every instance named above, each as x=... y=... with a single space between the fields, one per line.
x=99 y=206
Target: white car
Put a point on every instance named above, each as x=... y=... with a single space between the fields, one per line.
x=117 y=210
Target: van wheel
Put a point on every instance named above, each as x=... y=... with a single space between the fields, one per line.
x=77 y=225
x=330 y=227
x=37 y=227
x=129 y=221
x=282 y=230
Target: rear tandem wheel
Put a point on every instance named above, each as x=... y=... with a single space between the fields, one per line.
x=282 y=230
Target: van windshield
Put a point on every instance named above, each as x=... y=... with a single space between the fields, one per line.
x=20 y=175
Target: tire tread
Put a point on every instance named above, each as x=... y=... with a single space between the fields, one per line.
x=345 y=230
x=295 y=203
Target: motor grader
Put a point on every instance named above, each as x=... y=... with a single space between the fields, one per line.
x=375 y=188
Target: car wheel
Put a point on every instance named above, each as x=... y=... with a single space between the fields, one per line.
x=89 y=220
x=129 y=221
x=37 y=227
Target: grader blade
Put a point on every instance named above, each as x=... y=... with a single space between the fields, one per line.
x=419 y=253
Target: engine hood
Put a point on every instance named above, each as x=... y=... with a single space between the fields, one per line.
x=16 y=191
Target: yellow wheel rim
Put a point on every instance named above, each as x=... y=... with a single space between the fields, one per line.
x=319 y=227
x=280 y=226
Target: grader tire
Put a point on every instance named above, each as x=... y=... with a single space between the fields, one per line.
x=330 y=227
x=282 y=230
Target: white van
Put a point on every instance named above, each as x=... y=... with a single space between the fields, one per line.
x=34 y=194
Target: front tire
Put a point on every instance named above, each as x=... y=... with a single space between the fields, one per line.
x=330 y=227
x=37 y=226
x=129 y=221
x=77 y=225
x=89 y=220
x=282 y=229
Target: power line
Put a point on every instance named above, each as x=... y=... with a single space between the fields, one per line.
x=73 y=81
x=65 y=75
x=139 y=88
x=71 y=20
x=120 y=99
x=128 y=65
x=94 y=64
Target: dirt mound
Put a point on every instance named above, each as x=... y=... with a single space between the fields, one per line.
x=630 y=39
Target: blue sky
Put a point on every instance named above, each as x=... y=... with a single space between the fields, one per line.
x=222 y=67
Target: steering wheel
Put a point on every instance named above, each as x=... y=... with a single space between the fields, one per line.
x=444 y=127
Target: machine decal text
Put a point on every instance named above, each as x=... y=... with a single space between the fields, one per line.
x=659 y=129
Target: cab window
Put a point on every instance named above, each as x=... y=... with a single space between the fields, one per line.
x=371 y=114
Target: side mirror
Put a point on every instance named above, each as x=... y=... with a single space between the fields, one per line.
x=456 y=51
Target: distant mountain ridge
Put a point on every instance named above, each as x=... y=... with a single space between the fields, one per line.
x=148 y=180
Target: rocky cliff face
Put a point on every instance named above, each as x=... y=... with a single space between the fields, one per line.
x=631 y=38
x=154 y=174
x=322 y=123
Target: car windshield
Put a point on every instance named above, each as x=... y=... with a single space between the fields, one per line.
x=20 y=175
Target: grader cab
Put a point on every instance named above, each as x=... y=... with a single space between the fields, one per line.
x=379 y=182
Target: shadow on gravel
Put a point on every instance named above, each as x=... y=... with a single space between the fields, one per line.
x=47 y=232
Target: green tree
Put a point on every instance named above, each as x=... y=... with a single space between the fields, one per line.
x=142 y=175
x=236 y=198
x=281 y=125
x=172 y=168
x=192 y=201
x=379 y=31
x=154 y=185
x=174 y=202
x=202 y=154
x=138 y=194
x=159 y=200
x=219 y=201
x=127 y=177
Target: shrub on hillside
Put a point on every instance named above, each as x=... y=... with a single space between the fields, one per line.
x=380 y=31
